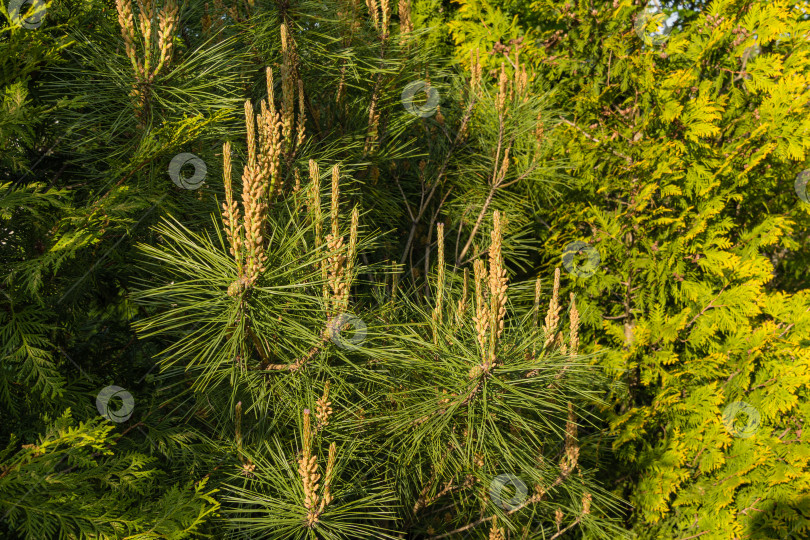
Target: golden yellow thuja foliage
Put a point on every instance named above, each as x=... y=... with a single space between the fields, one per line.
x=685 y=155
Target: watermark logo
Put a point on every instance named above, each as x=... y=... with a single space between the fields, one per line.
x=793 y=534
x=572 y=259
x=103 y=401
x=342 y=341
x=426 y=109
x=752 y=51
x=653 y=26
x=496 y=491
x=195 y=180
x=35 y=16
x=736 y=428
x=801 y=185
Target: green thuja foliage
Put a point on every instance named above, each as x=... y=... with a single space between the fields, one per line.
x=72 y=483
x=65 y=223
x=684 y=153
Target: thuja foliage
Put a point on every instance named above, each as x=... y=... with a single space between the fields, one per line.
x=685 y=148
x=64 y=471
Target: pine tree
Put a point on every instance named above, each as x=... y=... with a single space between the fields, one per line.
x=222 y=307
x=434 y=400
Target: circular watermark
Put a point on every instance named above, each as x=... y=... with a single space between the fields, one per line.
x=801 y=185
x=32 y=21
x=783 y=37
x=500 y=482
x=103 y=400
x=653 y=26
x=426 y=109
x=573 y=252
x=752 y=51
x=730 y=414
x=793 y=535
x=344 y=342
x=200 y=170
